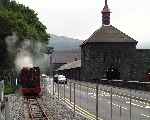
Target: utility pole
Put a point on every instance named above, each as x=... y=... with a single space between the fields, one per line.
x=50 y=51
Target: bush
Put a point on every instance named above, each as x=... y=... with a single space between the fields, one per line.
x=9 y=89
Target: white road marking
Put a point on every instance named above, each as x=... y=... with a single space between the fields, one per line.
x=147 y=107
x=145 y=115
x=135 y=104
x=118 y=106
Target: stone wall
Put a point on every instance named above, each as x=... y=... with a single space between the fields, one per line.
x=142 y=63
x=97 y=57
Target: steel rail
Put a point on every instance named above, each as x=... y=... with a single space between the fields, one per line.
x=35 y=109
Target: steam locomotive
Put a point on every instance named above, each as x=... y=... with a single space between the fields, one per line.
x=30 y=81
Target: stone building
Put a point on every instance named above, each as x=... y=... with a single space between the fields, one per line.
x=110 y=53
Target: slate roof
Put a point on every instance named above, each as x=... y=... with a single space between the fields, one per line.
x=75 y=64
x=109 y=34
x=66 y=56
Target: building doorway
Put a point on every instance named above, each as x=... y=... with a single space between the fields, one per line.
x=112 y=73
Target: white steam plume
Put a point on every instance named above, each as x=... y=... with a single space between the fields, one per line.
x=11 y=41
x=27 y=53
x=23 y=59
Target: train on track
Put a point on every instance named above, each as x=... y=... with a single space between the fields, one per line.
x=30 y=81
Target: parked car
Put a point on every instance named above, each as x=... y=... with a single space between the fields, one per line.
x=44 y=76
x=55 y=78
x=60 y=79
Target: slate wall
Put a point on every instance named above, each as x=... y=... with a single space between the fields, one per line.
x=97 y=57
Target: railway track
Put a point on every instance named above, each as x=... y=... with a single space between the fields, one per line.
x=35 y=110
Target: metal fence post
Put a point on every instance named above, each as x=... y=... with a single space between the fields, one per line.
x=111 y=103
x=53 y=88
x=130 y=104
x=6 y=112
x=97 y=100
x=70 y=91
x=74 y=99
x=120 y=111
x=80 y=94
x=87 y=95
x=58 y=89
x=64 y=91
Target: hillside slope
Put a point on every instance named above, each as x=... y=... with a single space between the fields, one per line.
x=61 y=43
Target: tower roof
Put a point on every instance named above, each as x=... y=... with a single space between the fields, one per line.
x=106 y=8
x=106 y=14
x=109 y=34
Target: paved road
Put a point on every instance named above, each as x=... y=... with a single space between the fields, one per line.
x=85 y=97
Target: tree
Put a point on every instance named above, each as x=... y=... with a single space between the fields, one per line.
x=18 y=18
x=4 y=2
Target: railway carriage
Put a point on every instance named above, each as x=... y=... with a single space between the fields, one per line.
x=30 y=81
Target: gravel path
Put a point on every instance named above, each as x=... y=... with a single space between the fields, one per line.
x=15 y=107
x=54 y=109
x=57 y=110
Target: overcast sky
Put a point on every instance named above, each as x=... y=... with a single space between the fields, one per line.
x=80 y=18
